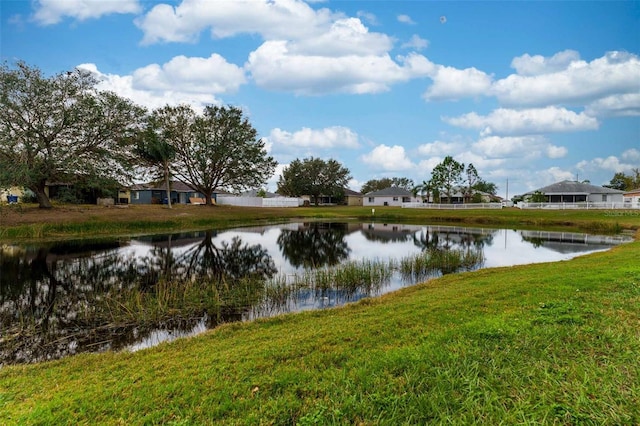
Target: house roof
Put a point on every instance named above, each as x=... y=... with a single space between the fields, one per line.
x=350 y=193
x=392 y=191
x=633 y=192
x=574 y=187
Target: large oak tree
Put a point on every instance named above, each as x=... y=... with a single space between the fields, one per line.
x=62 y=129
x=314 y=177
x=217 y=149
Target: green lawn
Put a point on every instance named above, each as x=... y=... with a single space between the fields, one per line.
x=536 y=344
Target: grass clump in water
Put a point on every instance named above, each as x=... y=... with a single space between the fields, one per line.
x=436 y=261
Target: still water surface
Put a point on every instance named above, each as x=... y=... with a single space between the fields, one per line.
x=58 y=299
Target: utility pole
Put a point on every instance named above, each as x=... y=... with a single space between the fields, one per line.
x=507 y=197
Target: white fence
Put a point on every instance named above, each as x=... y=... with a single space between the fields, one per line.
x=468 y=206
x=576 y=206
x=259 y=201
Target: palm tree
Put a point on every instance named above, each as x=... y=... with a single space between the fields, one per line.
x=426 y=188
x=158 y=154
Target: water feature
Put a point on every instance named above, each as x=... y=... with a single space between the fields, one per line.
x=62 y=298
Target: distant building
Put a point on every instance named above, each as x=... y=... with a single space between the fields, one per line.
x=352 y=198
x=632 y=198
x=151 y=193
x=569 y=191
x=392 y=196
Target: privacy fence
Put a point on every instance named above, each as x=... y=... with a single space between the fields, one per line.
x=468 y=206
x=578 y=206
x=259 y=201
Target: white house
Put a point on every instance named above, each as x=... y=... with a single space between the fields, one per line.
x=632 y=198
x=569 y=191
x=392 y=196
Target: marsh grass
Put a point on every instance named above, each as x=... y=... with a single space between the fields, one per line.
x=436 y=261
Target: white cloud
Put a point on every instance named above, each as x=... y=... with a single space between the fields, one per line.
x=344 y=37
x=406 y=19
x=538 y=64
x=282 y=19
x=504 y=121
x=194 y=75
x=439 y=148
x=610 y=163
x=452 y=83
x=553 y=175
x=388 y=158
x=49 y=12
x=578 y=83
x=367 y=17
x=553 y=151
x=272 y=183
x=528 y=147
x=330 y=137
x=354 y=184
x=125 y=86
x=615 y=105
x=274 y=66
x=631 y=155
x=416 y=42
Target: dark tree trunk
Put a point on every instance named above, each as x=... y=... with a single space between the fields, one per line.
x=167 y=183
x=41 y=196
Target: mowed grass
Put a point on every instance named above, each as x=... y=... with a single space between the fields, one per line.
x=537 y=344
x=22 y=222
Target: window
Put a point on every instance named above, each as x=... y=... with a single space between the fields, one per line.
x=136 y=195
x=371 y=199
x=604 y=198
x=395 y=198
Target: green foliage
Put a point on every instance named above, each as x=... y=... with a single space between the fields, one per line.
x=216 y=150
x=425 y=190
x=314 y=177
x=383 y=183
x=624 y=182
x=61 y=129
x=537 y=197
x=447 y=175
x=484 y=186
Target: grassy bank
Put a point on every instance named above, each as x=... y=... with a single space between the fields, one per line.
x=29 y=222
x=535 y=344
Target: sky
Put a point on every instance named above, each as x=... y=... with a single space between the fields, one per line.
x=530 y=93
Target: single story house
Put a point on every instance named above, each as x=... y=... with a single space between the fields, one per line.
x=157 y=194
x=632 y=198
x=352 y=198
x=392 y=196
x=458 y=197
x=569 y=191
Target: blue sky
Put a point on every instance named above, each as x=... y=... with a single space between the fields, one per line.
x=529 y=92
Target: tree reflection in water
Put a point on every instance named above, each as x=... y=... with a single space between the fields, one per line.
x=63 y=299
x=315 y=244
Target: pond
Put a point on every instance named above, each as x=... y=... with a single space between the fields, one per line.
x=59 y=299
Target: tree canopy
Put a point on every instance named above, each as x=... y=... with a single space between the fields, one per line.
x=447 y=175
x=625 y=182
x=61 y=129
x=215 y=150
x=314 y=177
x=379 y=184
